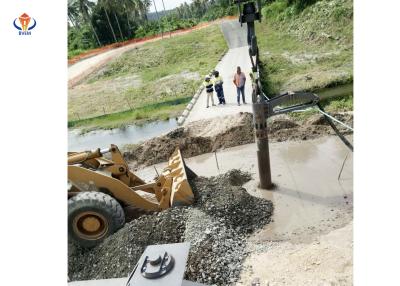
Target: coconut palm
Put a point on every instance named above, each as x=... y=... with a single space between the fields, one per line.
x=73 y=13
x=84 y=7
x=158 y=18
x=130 y=8
x=118 y=7
x=143 y=6
x=165 y=15
x=108 y=5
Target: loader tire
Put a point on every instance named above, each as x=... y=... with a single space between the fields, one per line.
x=92 y=216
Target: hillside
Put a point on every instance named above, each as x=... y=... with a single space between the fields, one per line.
x=306 y=49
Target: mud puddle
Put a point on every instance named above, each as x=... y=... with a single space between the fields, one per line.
x=330 y=92
x=313 y=178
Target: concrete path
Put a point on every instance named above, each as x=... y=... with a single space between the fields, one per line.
x=310 y=196
x=237 y=55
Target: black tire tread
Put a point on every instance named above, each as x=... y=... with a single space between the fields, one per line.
x=101 y=201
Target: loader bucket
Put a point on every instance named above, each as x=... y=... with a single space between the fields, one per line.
x=181 y=192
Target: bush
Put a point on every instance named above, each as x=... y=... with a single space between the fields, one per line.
x=215 y=13
x=301 y=4
x=80 y=38
x=272 y=11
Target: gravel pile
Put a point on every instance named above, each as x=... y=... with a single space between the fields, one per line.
x=224 y=215
x=118 y=254
x=216 y=225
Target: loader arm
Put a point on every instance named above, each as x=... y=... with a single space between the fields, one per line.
x=85 y=179
x=89 y=170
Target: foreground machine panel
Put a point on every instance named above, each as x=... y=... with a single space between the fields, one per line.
x=159 y=265
x=162 y=265
x=100 y=189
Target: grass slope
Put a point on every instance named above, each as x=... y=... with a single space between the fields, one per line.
x=308 y=49
x=129 y=87
x=158 y=111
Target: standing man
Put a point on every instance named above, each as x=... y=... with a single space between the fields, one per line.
x=239 y=80
x=218 y=82
x=208 y=84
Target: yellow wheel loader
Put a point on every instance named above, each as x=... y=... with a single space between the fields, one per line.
x=100 y=190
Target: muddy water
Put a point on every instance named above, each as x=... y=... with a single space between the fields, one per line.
x=342 y=90
x=134 y=134
x=129 y=135
x=310 y=196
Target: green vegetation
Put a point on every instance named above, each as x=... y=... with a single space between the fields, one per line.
x=306 y=45
x=197 y=51
x=157 y=72
x=157 y=111
x=338 y=104
x=97 y=23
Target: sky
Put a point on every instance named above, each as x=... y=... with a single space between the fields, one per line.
x=169 y=4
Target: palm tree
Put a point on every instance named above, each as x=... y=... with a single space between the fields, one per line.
x=108 y=4
x=73 y=13
x=143 y=6
x=158 y=18
x=165 y=15
x=116 y=8
x=85 y=6
x=187 y=10
x=129 y=7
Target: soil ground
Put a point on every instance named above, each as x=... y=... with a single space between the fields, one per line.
x=327 y=260
x=308 y=238
x=307 y=241
x=217 y=133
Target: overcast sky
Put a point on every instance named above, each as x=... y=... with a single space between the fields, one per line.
x=169 y=4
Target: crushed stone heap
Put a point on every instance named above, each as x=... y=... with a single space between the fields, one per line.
x=216 y=226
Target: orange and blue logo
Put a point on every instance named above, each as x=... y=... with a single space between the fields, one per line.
x=25 y=28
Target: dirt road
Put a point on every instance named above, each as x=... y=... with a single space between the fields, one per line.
x=81 y=69
x=237 y=55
